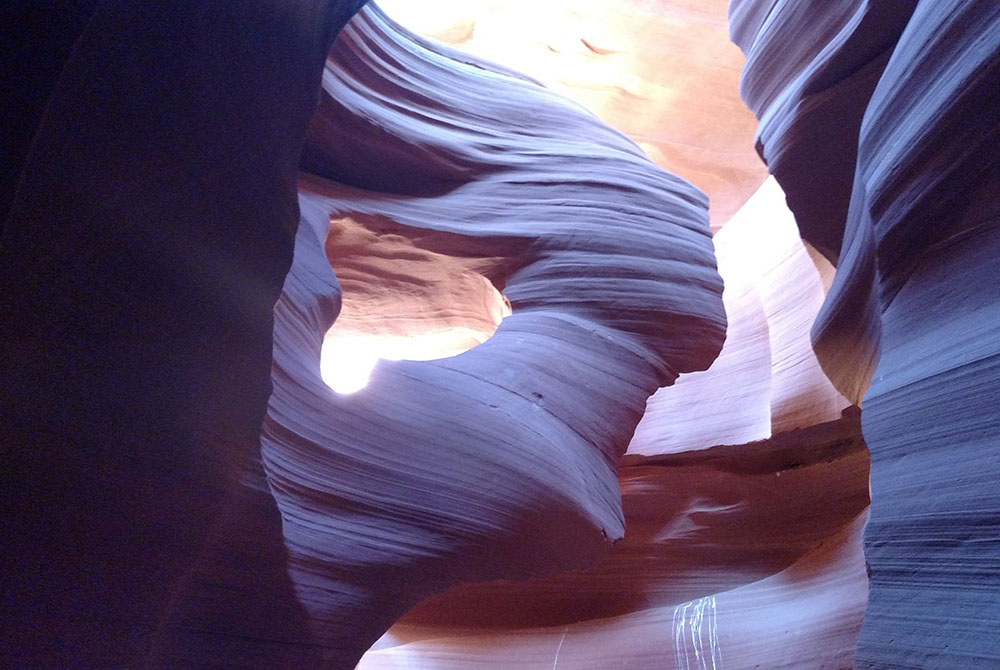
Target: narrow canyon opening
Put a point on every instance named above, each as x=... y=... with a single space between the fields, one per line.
x=619 y=276
x=400 y=301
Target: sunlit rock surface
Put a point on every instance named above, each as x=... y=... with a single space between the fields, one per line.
x=907 y=97
x=662 y=71
x=761 y=623
x=702 y=520
x=767 y=379
x=499 y=462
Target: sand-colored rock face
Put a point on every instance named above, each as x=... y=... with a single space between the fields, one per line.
x=460 y=203
x=661 y=71
x=402 y=301
x=914 y=306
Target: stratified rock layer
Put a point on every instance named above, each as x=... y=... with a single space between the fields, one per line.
x=702 y=520
x=916 y=283
x=499 y=462
x=734 y=556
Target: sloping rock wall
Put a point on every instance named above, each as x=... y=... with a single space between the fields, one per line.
x=736 y=556
x=914 y=306
x=145 y=249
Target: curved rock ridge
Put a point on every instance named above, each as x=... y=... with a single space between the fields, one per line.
x=805 y=617
x=499 y=462
x=913 y=291
x=812 y=91
x=809 y=92
x=767 y=379
x=742 y=555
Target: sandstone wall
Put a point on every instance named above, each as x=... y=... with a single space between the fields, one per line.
x=881 y=122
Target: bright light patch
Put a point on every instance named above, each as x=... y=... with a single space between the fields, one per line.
x=431 y=18
x=347 y=360
x=346 y=364
x=400 y=303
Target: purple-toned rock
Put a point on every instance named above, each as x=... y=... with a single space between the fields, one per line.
x=139 y=267
x=915 y=306
x=499 y=462
x=155 y=222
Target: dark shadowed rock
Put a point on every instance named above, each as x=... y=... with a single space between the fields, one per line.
x=139 y=266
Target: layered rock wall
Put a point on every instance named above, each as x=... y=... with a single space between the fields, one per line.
x=152 y=229
x=713 y=533
x=499 y=462
x=151 y=523
x=661 y=71
x=915 y=289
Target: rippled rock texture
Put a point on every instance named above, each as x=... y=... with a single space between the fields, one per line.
x=733 y=556
x=744 y=494
x=500 y=462
x=537 y=500
x=743 y=554
x=880 y=121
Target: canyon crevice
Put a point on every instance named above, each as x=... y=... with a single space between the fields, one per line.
x=328 y=344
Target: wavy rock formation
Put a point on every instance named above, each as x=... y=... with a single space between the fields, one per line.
x=812 y=91
x=141 y=262
x=819 y=595
x=493 y=463
x=517 y=280
x=702 y=521
x=767 y=379
x=911 y=91
x=734 y=555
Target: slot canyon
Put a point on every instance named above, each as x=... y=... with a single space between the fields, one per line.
x=479 y=335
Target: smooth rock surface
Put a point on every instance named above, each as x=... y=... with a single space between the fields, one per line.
x=767 y=379
x=734 y=556
x=139 y=267
x=515 y=484
x=662 y=71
